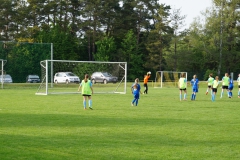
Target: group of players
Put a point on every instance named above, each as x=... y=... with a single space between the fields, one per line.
x=213 y=84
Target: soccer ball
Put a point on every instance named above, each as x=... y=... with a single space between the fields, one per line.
x=149 y=72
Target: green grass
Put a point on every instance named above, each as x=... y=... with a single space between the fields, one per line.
x=161 y=127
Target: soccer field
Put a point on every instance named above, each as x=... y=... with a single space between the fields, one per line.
x=160 y=127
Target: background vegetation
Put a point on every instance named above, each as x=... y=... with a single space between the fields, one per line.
x=145 y=33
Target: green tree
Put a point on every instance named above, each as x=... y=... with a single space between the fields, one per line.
x=222 y=25
x=177 y=22
x=158 y=39
x=106 y=48
x=132 y=56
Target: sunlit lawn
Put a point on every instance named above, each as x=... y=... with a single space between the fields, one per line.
x=160 y=127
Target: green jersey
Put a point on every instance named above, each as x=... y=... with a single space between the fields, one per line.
x=182 y=83
x=210 y=81
x=225 y=81
x=215 y=84
x=86 y=87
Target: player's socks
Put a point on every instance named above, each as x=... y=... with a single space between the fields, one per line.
x=221 y=94
x=90 y=103
x=180 y=97
x=185 y=95
x=194 y=96
x=212 y=97
x=84 y=104
x=136 y=102
x=133 y=101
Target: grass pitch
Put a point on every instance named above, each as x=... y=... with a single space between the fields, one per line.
x=160 y=127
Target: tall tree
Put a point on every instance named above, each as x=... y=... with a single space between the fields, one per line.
x=224 y=26
x=158 y=38
x=131 y=55
x=177 y=21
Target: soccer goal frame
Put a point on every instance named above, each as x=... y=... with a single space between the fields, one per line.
x=3 y=62
x=48 y=68
x=167 y=79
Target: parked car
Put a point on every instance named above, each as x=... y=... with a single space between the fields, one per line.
x=66 y=77
x=6 y=78
x=103 y=77
x=32 y=79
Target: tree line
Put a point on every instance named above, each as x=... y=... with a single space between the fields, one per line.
x=146 y=34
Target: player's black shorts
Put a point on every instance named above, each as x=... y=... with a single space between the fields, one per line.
x=224 y=87
x=209 y=86
x=238 y=86
x=214 y=90
x=86 y=95
x=182 y=89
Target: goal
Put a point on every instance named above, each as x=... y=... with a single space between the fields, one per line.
x=167 y=79
x=50 y=85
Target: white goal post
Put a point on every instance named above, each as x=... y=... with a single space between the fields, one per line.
x=50 y=67
x=167 y=79
x=3 y=62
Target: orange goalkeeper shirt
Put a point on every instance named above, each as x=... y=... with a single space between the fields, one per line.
x=145 y=81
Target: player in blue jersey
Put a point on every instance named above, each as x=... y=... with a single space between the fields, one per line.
x=136 y=90
x=225 y=83
x=238 y=81
x=230 y=87
x=195 y=86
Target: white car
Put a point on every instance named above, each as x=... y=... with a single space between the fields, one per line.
x=66 y=77
x=6 y=78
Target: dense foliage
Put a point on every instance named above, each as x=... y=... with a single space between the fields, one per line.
x=144 y=33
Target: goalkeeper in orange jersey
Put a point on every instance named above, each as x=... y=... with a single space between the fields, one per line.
x=145 y=81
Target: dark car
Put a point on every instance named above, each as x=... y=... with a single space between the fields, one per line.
x=32 y=79
x=103 y=77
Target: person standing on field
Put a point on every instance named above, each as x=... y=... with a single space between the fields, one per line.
x=136 y=89
x=238 y=81
x=210 y=83
x=145 y=82
x=225 y=83
x=230 y=87
x=87 y=91
x=182 y=85
x=214 y=88
x=195 y=86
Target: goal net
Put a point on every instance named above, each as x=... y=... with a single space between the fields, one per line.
x=167 y=79
x=109 y=77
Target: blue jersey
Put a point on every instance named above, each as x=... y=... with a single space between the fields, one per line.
x=194 y=83
x=230 y=84
x=136 y=91
x=138 y=87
